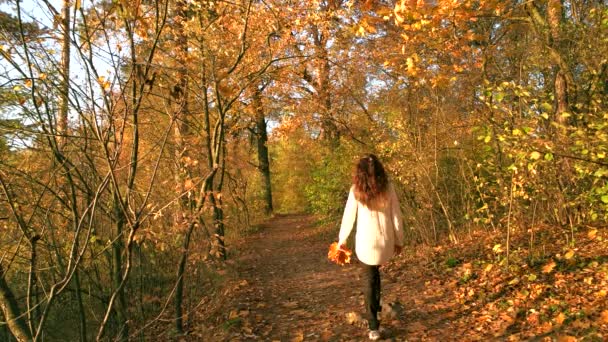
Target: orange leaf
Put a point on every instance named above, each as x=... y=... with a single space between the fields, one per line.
x=339 y=255
x=604 y=316
x=592 y=234
x=559 y=319
x=549 y=267
x=188 y=184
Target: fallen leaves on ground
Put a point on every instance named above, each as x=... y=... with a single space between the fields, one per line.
x=467 y=291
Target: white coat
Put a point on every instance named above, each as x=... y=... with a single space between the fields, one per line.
x=378 y=230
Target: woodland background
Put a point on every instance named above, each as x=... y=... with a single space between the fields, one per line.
x=138 y=137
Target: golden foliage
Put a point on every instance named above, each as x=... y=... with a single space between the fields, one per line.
x=339 y=254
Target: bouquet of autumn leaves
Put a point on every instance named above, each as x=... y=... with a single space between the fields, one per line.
x=339 y=254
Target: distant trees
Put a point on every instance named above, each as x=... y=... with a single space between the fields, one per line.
x=486 y=113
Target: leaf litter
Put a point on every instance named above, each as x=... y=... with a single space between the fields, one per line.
x=465 y=291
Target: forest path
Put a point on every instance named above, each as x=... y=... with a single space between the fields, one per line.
x=285 y=289
x=289 y=291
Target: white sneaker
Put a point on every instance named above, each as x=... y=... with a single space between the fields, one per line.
x=374 y=335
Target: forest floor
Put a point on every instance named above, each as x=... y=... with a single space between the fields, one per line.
x=283 y=288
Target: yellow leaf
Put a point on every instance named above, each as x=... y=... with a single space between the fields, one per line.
x=535 y=155
x=77 y=5
x=361 y=31
x=488 y=267
x=410 y=63
x=569 y=255
x=548 y=268
x=103 y=83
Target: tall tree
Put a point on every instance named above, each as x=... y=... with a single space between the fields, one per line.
x=62 y=118
x=261 y=133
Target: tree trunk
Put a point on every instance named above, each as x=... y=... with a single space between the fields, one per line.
x=329 y=130
x=62 y=120
x=183 y=174
x=262 y=145
x=554 y=16
x=218 y=211
x=10 y=309
x=179 y=291
x=122 y=332
x=4 y=334
x=32 y=285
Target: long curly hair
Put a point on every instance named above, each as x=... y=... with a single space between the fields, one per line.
x=370 y=181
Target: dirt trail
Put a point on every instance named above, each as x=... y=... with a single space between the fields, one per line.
x=289 y=291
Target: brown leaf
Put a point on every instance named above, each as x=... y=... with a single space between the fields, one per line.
x=291 y=305
x=326 y=335
x=533 y=319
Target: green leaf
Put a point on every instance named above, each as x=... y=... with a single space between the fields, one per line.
x=548 y=156
x=605 y=199
x=545 y=107
x=600 y=172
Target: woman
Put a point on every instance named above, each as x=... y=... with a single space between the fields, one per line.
x=373 y=203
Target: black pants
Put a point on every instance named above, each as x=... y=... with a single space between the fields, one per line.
x=371 y=277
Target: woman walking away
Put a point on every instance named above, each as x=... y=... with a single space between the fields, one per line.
x=373 y=203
